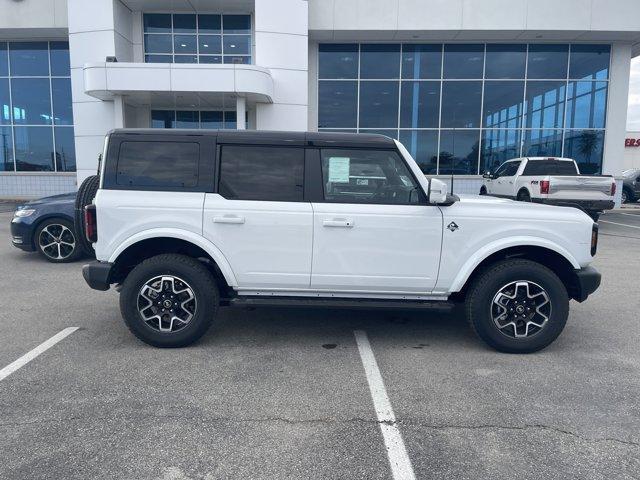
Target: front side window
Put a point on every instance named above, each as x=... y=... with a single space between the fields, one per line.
x=367 y=176
x=262 y=173
x=158 y=164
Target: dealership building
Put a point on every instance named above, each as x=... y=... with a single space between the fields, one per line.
x=464 y=84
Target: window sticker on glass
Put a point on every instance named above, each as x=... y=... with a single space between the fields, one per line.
x=339 y=169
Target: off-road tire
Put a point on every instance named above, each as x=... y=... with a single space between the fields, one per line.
x=484 y=287
x=195 y=274
x=86 y=194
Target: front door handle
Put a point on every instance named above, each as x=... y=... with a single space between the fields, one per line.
x=338 y=222
x=228 y=219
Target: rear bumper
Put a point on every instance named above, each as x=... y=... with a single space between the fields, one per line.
x=588 y=281
x=588 y=205
x=98 y=274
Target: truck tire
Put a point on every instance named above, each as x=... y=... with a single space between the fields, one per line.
x=483 y=190
x=57 y=241
x=627 y=196
x=523 y=196
x=517 y=306
x=86 y=194
x=169 y=300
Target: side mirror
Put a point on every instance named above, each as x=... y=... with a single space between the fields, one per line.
x=437 y=191
x=487 y=174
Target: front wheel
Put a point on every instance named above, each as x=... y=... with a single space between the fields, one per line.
x=56 y=240
x=517 y=306
x=169 y=300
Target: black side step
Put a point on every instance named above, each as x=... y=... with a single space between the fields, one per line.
x=333 y=302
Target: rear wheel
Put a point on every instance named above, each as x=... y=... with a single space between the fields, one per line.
x=523 y=196
x=56 y=240
x=627 y=196
x=169 y=300
x=86 y=194
x=517 y=306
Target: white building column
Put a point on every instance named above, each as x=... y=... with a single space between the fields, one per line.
x=281 y=45
x=241 y=116
x=118 y=111
x=618 y=98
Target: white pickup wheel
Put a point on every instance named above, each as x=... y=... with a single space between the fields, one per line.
x=517 y=306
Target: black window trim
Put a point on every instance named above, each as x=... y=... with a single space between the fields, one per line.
x=218 y=169
x=422 y=198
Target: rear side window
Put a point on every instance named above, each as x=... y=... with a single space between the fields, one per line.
x=158 y=164
x=540 y=167
x=262 y=173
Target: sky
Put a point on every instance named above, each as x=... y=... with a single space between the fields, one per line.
x=633 y=115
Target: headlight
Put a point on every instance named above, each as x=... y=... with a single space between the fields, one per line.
x=26 y=212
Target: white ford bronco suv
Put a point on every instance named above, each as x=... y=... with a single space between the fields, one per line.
x=185 y=221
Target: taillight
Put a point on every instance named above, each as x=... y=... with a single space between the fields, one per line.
x=613 y=188
x=544 y=186
x=90 y=223
x=594 y=239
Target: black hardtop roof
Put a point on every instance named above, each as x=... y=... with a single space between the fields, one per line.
x=261 y=137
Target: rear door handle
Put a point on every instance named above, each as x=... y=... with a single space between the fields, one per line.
x=338 y=222
x=228 y=219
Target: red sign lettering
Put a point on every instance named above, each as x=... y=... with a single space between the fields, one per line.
x=632 y=142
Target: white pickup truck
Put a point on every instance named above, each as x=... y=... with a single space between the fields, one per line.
x=187 y=220
x=554 y=181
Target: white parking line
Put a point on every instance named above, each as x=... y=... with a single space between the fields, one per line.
x=399 y=461
x=625 y=213
x=30 y=355
x=621 y=224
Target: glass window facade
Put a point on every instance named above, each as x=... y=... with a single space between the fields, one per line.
x=193 y=119
x=197 y=38
x=465 y=108
x=36 y=118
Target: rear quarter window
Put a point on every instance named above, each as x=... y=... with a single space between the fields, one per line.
x=158 y=164
x=540 y=167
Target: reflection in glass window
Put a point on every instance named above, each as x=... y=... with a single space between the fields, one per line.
x=503 y=107
x=230 y=120
x=423 y=147
x=34 y=149
x=586 y=104
x=157 y=23
x=461 y=102
x=184 y=23
x=4 y=60
x=163 y=118
x=26 y=117
x=589 y=62
x=337 y=61
x=380 y=61
x=212 y=120
x=378 y=104
x=459 y=152
x=544 y=104
x=59 y=55
x=194 y=38
x=420 y=105
x=586 y=148
x=65 y=150
x=497 y=147
x=337 y=104
x=542 y=143
x=187 y=119
x=505 y=61
x=61 y=95
x=31 y=101
x=463 y=61
x=421 y=61
x=29 y=59
x=548 y=61
x=6 y=149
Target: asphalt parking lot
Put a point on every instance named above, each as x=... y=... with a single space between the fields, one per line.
x=277 y=393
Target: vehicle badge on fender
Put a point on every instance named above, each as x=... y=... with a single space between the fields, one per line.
x=452 y=226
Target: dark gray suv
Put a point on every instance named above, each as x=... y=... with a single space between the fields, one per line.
x=631 y=185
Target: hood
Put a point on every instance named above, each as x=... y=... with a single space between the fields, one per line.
x=62 y=198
